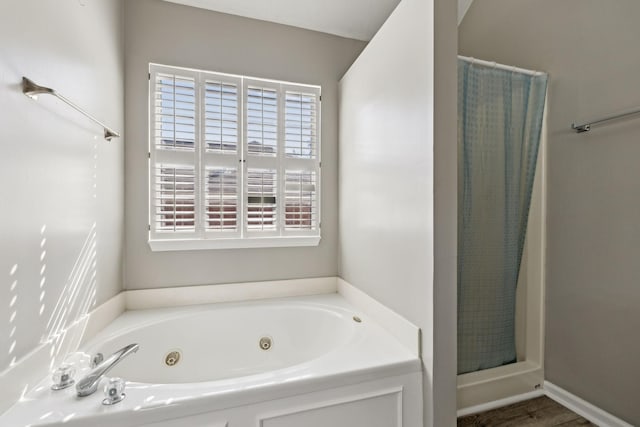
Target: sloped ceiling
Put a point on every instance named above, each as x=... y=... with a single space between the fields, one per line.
x=356 y=19
x=463 y=7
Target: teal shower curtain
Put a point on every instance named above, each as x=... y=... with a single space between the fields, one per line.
x=499 y=125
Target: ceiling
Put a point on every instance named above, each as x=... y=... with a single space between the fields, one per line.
x=463 y=7
x=340 y=17
x=356 y=19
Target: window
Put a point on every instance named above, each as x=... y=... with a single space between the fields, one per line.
x=234 y=161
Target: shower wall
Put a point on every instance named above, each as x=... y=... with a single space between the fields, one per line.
x=593 y=239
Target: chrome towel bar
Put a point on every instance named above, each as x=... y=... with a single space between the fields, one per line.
x=32 y=90
x=586 y=127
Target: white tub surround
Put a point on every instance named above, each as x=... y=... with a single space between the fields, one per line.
x=25 y=373
x=210 y=294
x=323 y=366
x=223 y=341
x=400 y=328
x=22 y=376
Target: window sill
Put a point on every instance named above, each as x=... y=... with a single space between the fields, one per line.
x=207 y=244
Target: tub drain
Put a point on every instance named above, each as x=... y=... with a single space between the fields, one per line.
x=265 y=343
x=172 y=358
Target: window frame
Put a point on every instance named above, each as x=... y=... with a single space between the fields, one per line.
x=202 y=238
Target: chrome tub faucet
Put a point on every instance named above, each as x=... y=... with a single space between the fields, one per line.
x=89 y=384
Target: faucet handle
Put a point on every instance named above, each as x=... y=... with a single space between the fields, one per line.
x=97 y=359
x=63 y=377
x=114 y=391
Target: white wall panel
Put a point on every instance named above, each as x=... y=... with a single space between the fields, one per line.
x=387 y=158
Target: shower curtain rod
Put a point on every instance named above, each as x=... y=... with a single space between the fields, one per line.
x=490 y=64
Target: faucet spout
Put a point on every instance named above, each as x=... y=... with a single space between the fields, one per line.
x=89 y=384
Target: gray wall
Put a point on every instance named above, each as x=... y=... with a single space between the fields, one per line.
x=62 y=185
x=166 y=33
x=445 y=201
x=590 y=49
x=390 y=185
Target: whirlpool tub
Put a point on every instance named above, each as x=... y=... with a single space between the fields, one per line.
x=301 y=361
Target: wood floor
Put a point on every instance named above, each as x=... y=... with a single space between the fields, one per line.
x=539 y=412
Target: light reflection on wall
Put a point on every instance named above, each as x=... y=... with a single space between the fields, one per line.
x=95 y=196
x=76 y=298
x=79 y=294
x=13 y=312
x=43 y=267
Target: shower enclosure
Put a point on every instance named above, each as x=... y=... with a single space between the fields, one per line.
x=500 y=230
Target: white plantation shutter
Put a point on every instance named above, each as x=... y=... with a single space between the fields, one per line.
x=221 y=115
x=221 y=155
x=262 y=153
x=301 y=133
x=301 y=204
x=262 y=119
x=173 y=155
x=174 y=192
x=222 y=200
x=175 y=112
x=232 y=159
x=262 y=193
x=301 y=162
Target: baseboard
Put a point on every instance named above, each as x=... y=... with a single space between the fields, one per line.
x=500 y=403
x=563 y=397
x=582 y=407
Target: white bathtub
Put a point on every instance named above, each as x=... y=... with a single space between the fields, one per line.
x=318 y=352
